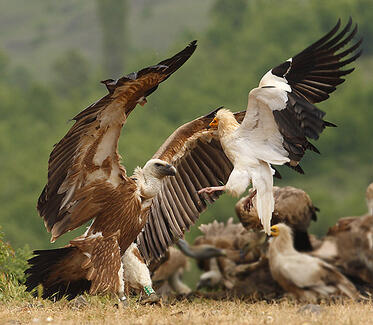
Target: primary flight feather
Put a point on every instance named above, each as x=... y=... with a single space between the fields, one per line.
x=281 y=117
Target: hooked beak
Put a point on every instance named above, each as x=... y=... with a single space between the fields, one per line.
x=169 y=170
x=214 y=123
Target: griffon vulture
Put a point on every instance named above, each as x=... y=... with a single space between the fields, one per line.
x=281 y=117
x=293 y=207
x=349 y=246
x=307 y=277
x=86 y=181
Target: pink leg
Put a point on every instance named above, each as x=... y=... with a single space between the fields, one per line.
x=210 y=190
x=248 y=202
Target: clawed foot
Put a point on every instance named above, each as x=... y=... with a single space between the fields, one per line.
x=123 y=301
x=248 y=202
x=151 y=299
x=210 y=190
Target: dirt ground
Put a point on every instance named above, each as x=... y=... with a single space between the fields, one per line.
x=199 y=311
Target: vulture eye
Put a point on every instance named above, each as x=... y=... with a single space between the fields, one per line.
x=158 y=165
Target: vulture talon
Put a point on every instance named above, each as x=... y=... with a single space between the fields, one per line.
x=152 y=299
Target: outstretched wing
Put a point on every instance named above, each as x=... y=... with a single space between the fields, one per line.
x=200 y=162
x=289 y=91
x=87 y=154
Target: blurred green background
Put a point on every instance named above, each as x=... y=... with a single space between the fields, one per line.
x=53 y=54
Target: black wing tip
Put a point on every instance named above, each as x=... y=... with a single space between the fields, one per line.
x=330 y=124
x=213 y=112
x=168 y=67
x=297 y=168
x=277 y=173
x=193 y=44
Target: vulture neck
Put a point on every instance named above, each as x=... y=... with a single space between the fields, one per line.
x=147 y=184
x=282 y=244
x=227 y=124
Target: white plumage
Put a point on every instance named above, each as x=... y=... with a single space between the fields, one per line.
x=280 y=117
x=305 y=276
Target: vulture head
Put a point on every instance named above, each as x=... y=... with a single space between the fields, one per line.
x=158 y=168
x=149 y=178
x=224 y=120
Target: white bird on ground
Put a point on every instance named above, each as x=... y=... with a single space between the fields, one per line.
x=280 y=117
x=308 y=278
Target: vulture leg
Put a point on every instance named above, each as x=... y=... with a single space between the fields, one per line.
x=210 y=190
x=137 y=274
x=122 y=299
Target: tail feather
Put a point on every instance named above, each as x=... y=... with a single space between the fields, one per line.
x=58 y=271
x=265 y=203
x=265 y=207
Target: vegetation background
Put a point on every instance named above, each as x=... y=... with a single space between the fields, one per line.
x=53 y=53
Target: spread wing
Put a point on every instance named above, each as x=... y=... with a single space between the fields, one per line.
x=200 y=162
x=290 y=90
x=87 y=154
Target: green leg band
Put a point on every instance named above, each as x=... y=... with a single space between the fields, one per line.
x=148 y=290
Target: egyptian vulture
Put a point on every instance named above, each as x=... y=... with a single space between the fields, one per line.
x=87 y=182
x=293 y=207
x=307 y=277
x=281 y=117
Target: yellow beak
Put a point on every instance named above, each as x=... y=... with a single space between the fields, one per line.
x=214 y=123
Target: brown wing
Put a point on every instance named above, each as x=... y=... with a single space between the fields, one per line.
x=200 y=162
x=88 y=152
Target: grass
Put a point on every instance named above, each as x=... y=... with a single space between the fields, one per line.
x=200 y=311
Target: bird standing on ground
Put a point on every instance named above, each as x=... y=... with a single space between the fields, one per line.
x=307 y=277
x=349 y=246
x=87 y=182
x=281 y=117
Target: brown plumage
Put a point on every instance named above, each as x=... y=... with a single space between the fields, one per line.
x=244 y=270
x=349 y=246
x=308 y=278
x=169 y=273
x=238 y=245
x=87 y=156
x=86 y=181
x=200 y=161
x=293 y=206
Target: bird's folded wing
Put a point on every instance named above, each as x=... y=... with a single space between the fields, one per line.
x=88 y=152
x=302 y=270
x=200 y=162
